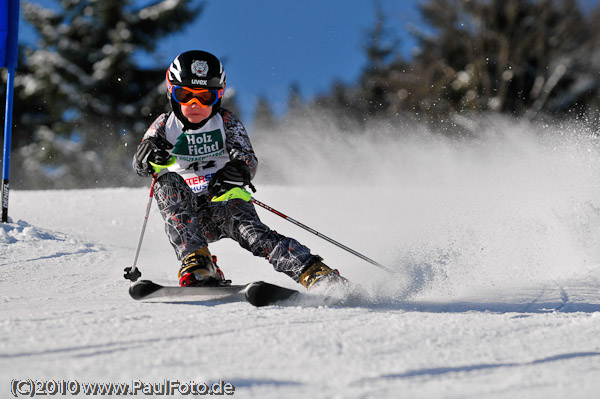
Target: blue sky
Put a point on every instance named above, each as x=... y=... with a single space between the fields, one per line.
x=267 y=45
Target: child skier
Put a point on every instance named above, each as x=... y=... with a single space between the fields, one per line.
x=203 y=158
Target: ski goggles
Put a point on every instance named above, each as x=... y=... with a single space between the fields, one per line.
x=186 y=96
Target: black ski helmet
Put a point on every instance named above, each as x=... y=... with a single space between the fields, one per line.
x=198 y=70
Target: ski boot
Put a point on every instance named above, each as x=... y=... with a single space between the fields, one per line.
x=318 y=274
x=199 y=269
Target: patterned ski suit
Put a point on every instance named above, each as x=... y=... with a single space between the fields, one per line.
x=191 y=219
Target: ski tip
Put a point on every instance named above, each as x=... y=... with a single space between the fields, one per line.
x=142 y=289
x=260 y=293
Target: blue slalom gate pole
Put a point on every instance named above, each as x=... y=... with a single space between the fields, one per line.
x=7 y=144
x=9 y=28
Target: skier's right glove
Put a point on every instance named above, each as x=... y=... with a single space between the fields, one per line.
x=153 y=150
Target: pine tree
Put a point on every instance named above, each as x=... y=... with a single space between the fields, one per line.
x=509 y=56
x=97 y=100
x=295 y=105
x=380 y=47
x=264 y=120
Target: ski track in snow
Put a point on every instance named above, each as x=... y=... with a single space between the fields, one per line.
x=497 y=298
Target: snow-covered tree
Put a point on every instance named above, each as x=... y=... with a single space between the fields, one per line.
x=510 y=56
x=95 y=98
x=264 y=119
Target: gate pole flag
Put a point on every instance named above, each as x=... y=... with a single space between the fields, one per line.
x=9 y=39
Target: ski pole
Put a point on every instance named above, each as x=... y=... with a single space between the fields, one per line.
x=132 y=273
x=289 y=219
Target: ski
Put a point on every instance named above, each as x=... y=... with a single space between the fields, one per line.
x=258 y=293
x=149 y=290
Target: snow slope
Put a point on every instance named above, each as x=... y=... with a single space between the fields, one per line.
x=497 y=295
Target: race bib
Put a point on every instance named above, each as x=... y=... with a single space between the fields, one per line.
x=194 y=147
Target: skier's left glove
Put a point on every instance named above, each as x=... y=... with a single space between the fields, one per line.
x=234 y=174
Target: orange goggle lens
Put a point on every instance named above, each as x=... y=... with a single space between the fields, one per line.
x=203 y=97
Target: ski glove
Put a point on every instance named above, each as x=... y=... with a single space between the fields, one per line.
x=152 y=150
x=234 y=174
